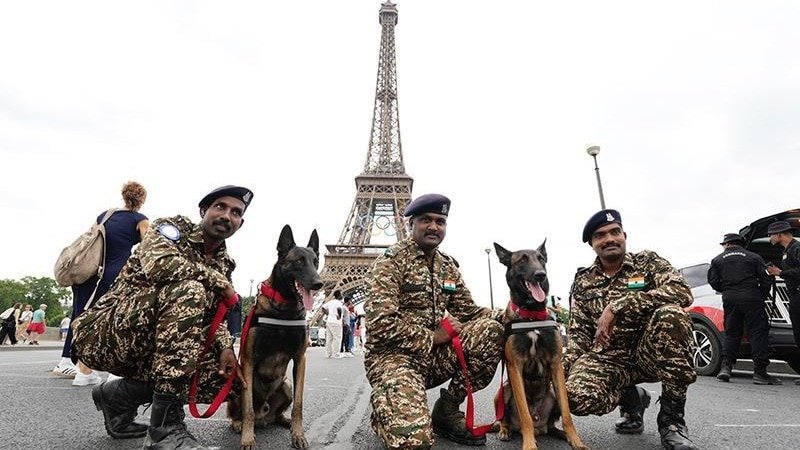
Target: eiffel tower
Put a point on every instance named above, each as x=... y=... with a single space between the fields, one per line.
x=383 y=189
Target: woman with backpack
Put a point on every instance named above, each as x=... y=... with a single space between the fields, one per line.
x=124 y=228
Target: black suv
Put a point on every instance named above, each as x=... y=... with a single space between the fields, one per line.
x=707 y=314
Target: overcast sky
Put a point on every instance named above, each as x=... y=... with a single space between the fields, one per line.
x=695 y=105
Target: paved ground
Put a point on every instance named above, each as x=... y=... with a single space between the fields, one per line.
x=47 y=412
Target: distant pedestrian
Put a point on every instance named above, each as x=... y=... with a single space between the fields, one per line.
x=348 y=314
x=24 y=320
x=333 y=325
x=64 y=327
x=741 y=276
x=780 y=233
x=8 y=326
x=358 y=342
x=36 y=327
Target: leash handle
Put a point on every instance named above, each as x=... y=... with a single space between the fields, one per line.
x=470 y=415
x=222 y=395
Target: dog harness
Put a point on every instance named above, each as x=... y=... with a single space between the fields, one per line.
x=528 y=321
x=262 y=320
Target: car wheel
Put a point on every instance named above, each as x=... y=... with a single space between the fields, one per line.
x=708 y=352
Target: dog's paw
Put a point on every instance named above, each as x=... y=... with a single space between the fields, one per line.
x=504 y=434
x=236 y=425
x=249 y=444
x=299 y=440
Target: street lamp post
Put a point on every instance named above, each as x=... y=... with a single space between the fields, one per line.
x=593 y=151
x=489 y=263
x=251 y=287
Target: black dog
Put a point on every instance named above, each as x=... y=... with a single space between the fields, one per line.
x=533 y=354
x=277 y=335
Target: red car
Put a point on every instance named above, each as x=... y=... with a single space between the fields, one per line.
x=707 y=314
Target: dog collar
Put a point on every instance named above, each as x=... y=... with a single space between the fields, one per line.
x=524 y=326
x=271 y=293
x=264 y=321
x=527 y=314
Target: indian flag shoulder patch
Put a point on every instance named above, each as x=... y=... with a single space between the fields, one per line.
x=449 y=286
x=636 y=282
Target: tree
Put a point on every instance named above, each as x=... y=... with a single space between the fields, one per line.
x=45 y=290
x=11 y=291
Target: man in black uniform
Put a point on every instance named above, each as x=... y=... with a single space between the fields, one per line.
x=780 y=233
x=741 y=276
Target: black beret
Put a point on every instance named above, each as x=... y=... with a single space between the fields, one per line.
x=599 y=219
x=435 y=203
x=731 y=237
x=242 y=193
x=778 y=227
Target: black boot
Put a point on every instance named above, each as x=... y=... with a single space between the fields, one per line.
x=760 y=376
x=167 y=430
x=671 y=426
x=632 y=403
x=449 y=423
x=119 y=400
x=725 y=371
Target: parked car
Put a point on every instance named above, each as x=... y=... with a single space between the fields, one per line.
x=708 y=317
x=317 y=336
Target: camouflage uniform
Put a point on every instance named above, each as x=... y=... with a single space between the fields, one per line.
x=152 y=323
x=651 y=339
x=406 y=302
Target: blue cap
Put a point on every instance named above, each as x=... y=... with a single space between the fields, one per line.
x=242 y=193
x=599 y=219
x=434 y=203
x=778 y=227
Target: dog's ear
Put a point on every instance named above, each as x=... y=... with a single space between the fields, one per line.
x=542 y=250
x=286 y=241
x=313 y=242
x=502 y=254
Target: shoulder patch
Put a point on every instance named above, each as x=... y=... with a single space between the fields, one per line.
x=169 y=231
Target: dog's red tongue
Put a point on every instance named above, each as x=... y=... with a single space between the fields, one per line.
x=536 y=291
x=308 y=297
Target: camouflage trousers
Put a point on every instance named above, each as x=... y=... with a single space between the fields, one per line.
x=664 y=354
x=155 y=336
x=400 y=414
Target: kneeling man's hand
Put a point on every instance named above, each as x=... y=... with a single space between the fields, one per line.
x=605 y=328
x=228 y=364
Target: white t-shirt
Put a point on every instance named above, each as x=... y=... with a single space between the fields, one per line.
x=65 y=322
x=333 y=310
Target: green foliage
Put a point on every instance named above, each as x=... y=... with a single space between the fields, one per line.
x=35 y=291
x=11 y=291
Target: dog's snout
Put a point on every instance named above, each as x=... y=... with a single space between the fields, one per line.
x=316 y=286
x=540 y=276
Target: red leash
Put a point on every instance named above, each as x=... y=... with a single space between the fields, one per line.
x=220 y=398
x=470 y=416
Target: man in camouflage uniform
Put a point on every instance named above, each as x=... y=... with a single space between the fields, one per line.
x=151 y=325
x=627 y=326
x=412 y=287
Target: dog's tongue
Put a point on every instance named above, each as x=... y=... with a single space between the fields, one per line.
x=536 y=291
x=308 y=298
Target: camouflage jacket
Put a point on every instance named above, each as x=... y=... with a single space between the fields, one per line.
x=645 y=282
x=408 y=298
x=160 y=260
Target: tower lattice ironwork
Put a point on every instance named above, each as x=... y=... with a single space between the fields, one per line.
x=383 y=189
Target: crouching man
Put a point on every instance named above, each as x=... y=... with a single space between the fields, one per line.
x=627 y=326
x=151 y=326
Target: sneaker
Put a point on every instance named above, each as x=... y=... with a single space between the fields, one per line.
x=338 y=356
x=86 y=380
x=65 y=371
x=348 y=354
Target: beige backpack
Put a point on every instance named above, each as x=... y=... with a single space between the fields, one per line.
x=85 y=257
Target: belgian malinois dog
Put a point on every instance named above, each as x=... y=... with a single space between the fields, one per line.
x=277 y=335
x=533 y=355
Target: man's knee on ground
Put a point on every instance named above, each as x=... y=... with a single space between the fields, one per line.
x=487 y=330
x=586 y=398
x=671 y=314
